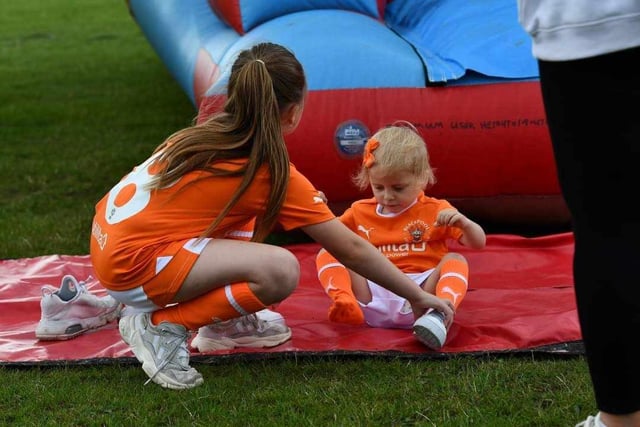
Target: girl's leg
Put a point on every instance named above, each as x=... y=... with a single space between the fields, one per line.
x=230 y=279
x=449 y=279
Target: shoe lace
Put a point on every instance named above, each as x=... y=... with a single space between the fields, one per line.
x=82 y=284
x=251 y=320
x=178 y=353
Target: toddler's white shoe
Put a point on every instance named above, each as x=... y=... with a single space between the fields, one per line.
x=429 y=329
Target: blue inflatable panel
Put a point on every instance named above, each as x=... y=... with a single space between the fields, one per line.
x=455 y=36
x=177 y=29
x=254 y=12
x=336 y=48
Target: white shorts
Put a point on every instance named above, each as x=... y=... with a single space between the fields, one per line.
x=388 y=310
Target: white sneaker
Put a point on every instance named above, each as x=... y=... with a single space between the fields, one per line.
x=162 y=350
x=264 y=328
x=71 y=310
x=591 y=421
x=430 y=330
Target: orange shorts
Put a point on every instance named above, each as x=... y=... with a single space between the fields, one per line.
x=170 y=273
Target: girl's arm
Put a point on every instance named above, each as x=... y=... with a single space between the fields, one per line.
x=362 y=257
x=473 y=235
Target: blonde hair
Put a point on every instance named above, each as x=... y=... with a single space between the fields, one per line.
x=265 y=80
x=399 y=148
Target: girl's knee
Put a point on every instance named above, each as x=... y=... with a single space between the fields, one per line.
x=454 y=255
x=286 y=273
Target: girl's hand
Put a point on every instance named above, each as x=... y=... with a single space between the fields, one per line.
x=428 y=301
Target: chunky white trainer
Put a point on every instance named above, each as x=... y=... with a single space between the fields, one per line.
x=264 y=328
x=71 y=310
x=430 y=330
x=162 y=350
x=591 y=421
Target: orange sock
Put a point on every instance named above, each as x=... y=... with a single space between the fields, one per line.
x=219 y=304
x=454 y=274
x=335 y=280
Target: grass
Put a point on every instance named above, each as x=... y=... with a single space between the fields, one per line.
x=84 y=98
x=462 y=391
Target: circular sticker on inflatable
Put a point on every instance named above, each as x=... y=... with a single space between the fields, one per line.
x=350 y=138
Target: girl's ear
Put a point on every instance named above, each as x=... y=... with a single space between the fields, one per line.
x=291 y=117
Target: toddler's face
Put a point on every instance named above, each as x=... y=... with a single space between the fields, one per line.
x=394 y=191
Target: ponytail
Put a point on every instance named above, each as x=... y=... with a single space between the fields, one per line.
x=265 y=80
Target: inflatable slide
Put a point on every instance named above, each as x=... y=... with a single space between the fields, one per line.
x=461 y=72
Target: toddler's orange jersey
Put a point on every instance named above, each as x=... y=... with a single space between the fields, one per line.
x=410 y=239
x=132 y=225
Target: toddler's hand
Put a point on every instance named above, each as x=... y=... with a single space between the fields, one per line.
x=448 y=217
x=322 y=196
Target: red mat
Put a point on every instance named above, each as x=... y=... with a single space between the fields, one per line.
x=520 y=298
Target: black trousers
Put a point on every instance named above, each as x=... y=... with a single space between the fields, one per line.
x=593 y=114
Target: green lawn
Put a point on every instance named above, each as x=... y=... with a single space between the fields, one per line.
x=83 y=99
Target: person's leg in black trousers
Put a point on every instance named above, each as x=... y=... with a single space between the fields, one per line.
x=593 y=113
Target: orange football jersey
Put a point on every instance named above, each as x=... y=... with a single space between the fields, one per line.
x=133 y=226
x=410 y=239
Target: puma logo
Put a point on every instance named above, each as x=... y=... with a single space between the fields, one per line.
x=330 y=286
x=454 y=294
x=366 y=231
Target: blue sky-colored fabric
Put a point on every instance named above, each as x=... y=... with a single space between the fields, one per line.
x=339 y=50
x=421 y=43
x=453 y=36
